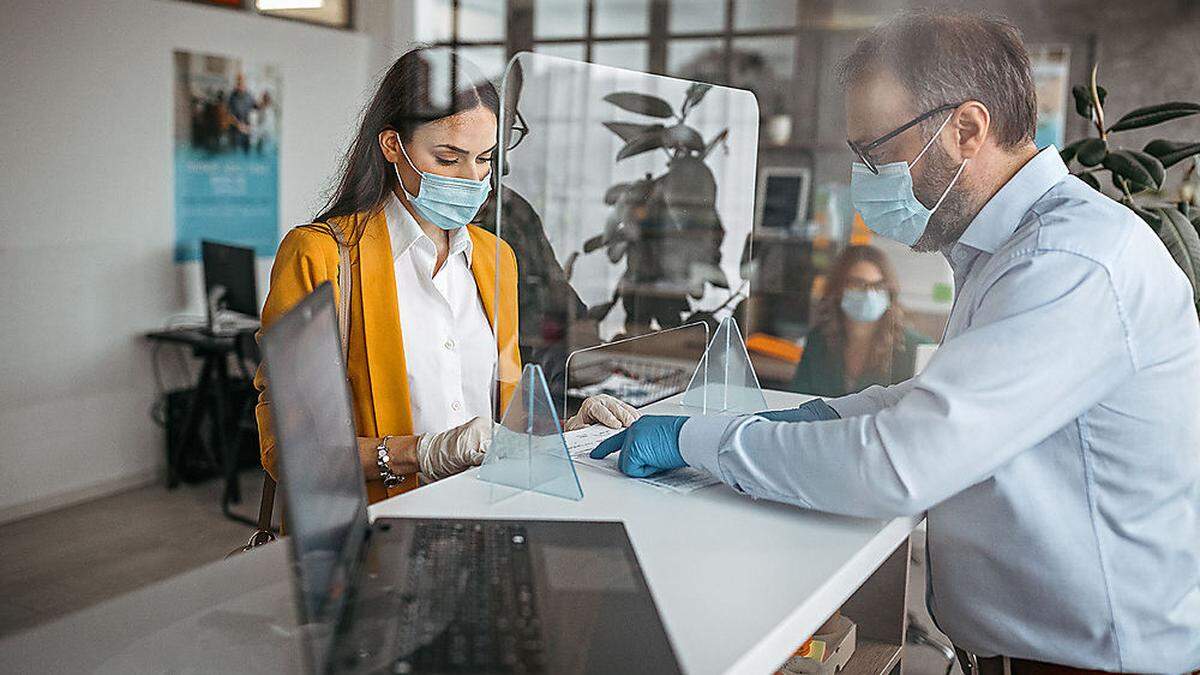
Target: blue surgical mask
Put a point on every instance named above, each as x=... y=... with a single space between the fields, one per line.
x=449 y=203
x=865 y=306
x=887 y=202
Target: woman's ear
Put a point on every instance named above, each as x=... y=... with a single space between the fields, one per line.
x=389 y=143
x=970 y=128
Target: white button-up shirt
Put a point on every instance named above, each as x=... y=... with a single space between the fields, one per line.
x=449 y=349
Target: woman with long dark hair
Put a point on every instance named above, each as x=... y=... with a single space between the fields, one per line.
x=429 y=327
x=858 y=337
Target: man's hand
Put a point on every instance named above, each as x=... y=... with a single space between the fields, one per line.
x=649 y=446
x=815 y=410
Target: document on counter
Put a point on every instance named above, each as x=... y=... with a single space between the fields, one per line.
x=582 y=441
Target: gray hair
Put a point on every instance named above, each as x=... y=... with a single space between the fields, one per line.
x=946 y=58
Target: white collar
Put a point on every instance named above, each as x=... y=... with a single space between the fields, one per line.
x=405 y=231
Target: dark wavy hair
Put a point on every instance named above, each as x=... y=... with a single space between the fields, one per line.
x=424 y=85
x=830 y=321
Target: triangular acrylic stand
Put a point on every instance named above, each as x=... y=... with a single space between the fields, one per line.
x=724 y=381
x=528 y=451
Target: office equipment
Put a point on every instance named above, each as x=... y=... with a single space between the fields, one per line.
x=436 y=595
x=230 y=290
x=783 y=198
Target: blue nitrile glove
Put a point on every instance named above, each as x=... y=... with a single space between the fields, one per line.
x=815 y=410
x=649 y=446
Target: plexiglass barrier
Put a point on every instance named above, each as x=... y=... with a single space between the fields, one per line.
x=628 y=201
x=724 y=380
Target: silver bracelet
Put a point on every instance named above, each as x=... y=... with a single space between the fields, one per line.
x=382 y=457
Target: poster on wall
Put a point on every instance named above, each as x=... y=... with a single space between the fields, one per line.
x=226 y=153
x=1051 y=71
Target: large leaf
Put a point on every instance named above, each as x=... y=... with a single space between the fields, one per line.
x=629 y=131
x=683 y=137
x=651 y=140
x=1171 y=153
x=1152 y=166
x=1083 y=99
x=1124 y=164
x=1068 y=152
x=1155 y=114
x=593 y=243
x=1089 y=178
x=614 y=193
x=642 y=104
x=1181 y=240
x=694 y=95
x=1091 y=151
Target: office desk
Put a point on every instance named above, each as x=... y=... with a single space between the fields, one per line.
x=739 y=583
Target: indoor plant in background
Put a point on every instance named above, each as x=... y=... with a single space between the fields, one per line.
x=1138 y=176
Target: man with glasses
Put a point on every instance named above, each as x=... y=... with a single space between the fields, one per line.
x=1053 y=439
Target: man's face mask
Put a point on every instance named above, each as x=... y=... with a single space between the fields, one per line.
x=885 y=198
x=449 y=203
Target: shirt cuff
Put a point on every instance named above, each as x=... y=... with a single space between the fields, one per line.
x=700 y=441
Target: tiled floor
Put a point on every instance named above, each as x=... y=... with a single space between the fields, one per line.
x=59 y=562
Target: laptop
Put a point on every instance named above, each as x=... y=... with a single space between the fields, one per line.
x=425 y=595
x=230 y=289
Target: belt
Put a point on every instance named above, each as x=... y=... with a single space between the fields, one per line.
x=1004 y=665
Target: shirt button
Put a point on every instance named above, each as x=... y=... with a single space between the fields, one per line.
x=448 y=344
x=456 y=406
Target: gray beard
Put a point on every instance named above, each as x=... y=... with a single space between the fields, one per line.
x=951 y=219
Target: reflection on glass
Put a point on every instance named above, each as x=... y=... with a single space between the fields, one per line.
x=559 y=18
x=629 y=205
x=489 y=60
x=621 y=17
x=631 y=55
x=764 y=65
x=433 y=20
x=690 y=16
x=481 y=19
x=758 y=14
x=565 y=50
x=700 y=59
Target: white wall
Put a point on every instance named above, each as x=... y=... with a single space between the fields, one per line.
x=87 y=217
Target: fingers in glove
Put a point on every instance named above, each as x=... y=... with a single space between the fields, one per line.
x=626 y=413
x=600 y=412
x=608 y=446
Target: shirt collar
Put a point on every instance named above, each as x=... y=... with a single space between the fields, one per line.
x=405 y=232
x=999 y=218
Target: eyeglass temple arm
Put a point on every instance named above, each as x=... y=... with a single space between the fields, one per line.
x=915 y=121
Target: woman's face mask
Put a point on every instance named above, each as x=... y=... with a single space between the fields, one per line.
x=887 y=202
x=865 y=306
x=447 y=202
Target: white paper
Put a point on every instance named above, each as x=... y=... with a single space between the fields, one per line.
x=582 y=441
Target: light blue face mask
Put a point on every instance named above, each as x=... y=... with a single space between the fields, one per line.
x=887 y=202
x=865 y=306
x=449 y=203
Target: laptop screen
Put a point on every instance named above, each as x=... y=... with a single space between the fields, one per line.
x=321 y=478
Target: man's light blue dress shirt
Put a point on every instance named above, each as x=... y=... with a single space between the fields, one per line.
x=1054 y=439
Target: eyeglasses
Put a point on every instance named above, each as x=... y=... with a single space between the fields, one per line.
x=864 y=151
x=516 y=132
x=861 y=285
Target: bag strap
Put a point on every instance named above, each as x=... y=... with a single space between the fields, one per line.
x=266 y=506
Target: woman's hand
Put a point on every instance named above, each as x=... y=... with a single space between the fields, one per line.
x=604 y=409
x=455 y=450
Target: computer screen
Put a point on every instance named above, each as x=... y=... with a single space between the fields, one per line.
x=321 y=478
x=232 y=269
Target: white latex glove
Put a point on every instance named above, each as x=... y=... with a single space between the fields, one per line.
x=455 y=450
x=604 y=409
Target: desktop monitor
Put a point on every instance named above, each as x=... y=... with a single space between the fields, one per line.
x=229 y=279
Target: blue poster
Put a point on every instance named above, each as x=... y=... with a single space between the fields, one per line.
x=226 y=154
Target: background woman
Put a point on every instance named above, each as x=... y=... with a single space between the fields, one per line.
x=428 y=329
x=858 y=337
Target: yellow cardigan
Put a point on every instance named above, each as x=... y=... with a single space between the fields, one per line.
x=308 y=256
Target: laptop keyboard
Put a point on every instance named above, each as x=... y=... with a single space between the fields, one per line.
x=469 y=605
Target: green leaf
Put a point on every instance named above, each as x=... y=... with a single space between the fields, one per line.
x=629 y=131
x=643 y=104
x=1155 y=114
x=1152 y=166
x=1152 y=219
x=651 y=140
x=1124 y=164
x=593 y=243
x=1091 y=151
x=1068 y=152
x=1182 y=241
x=1171 y=153
x=614 y=193
x=695 y=94
x=1083 y=99
x=684 y=137
x=598 y=312
x=1089 y=178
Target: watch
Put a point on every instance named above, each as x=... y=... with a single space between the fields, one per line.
x=382 y=457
